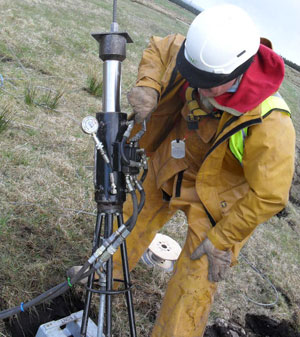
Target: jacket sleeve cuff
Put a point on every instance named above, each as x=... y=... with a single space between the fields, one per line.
x=218 y=239
x=149 y=82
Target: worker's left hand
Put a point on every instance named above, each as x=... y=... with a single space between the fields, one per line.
x=218 y=260
x=143 y=101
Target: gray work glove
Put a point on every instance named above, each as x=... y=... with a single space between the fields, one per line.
x=218 y=260
x=143 y=101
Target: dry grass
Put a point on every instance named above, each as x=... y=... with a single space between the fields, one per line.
x=46 y=160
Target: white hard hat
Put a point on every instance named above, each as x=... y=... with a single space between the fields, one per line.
x=219 y=46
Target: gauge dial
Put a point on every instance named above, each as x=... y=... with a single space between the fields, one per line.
x=89 y=125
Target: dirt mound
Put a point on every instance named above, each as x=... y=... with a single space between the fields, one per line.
x=264 y=326
x=256 y=326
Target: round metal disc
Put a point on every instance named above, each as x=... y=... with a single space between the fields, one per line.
x=151 y=260
x=89 y=124
x=165 y=247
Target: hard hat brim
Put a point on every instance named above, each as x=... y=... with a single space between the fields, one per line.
x=198 y=78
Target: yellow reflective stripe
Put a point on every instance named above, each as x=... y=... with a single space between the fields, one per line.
x=237 y=141
x=273 y=102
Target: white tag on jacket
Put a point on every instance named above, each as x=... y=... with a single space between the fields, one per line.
x=177 y=149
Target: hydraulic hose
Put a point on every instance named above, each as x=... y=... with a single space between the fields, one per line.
x=139 y=135
x=16 y=310
x=125 y=159
x=144 y=175
x=132 y=220
x=142 y=201
x=49 y=294
x=142 y=195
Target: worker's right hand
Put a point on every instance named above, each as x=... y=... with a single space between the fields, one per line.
x=143 y=101
x=218 y=260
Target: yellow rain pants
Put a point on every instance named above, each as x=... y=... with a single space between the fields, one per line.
x=189 y=295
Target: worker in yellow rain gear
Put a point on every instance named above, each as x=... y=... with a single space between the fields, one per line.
x=221 y=146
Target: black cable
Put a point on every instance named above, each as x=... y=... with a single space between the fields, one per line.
x=266 y=279
x=16 y=310
x=49 y=294
x=133 y=218
x=125 y=159
x=142 y=200
x=144 y=175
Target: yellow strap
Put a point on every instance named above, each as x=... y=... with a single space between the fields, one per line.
x=193 y=104
x=237 y=141
x=189 y=94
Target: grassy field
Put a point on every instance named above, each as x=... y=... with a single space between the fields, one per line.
x=51 y=80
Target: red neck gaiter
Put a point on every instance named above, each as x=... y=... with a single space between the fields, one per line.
x=261 y=80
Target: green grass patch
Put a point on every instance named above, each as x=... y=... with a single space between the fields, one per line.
x=94 y=86
x=5 y=118
x=50 y=99
x=30 y=95
x=44 y=97
x=3 y=224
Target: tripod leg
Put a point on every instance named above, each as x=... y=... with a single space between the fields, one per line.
x=106 y=282
x=108 y=229
x=127 y=282
x=88 y=296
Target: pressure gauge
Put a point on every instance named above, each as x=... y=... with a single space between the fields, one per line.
x=89 y=125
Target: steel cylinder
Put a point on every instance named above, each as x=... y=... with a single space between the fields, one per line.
x=111 y=86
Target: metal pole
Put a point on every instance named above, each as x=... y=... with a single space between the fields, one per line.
x=115 y=11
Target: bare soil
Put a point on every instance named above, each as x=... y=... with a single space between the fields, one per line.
x=256 y=326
